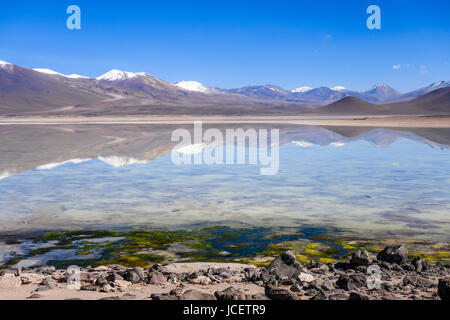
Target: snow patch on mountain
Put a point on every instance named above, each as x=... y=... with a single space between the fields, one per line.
x=302 y=89
x=4 y=175
x=4 y=64
x=338 y=88
x=119 y=161
x=50 y=166
x=195 y=87
x=48 y=71
x=303 y=144
x=54 y=73
x=76 y=76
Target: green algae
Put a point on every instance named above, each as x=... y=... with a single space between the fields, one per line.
x=257 y=246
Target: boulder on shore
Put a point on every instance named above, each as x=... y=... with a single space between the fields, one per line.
x=275 y=293
x=285 y=266
x=394 y=254
x=360 y=258
x=444 y=289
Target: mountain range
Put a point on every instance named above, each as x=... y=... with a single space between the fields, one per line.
x=43 y=91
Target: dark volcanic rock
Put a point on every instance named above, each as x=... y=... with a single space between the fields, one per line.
x=133 y=277
x=327 y=285
x=346 y=283
x=360 y=258
x=89 y=288
x=230 y=294
x=360 y=280
x=49 y=282
x=259 y=296
x=274 y=293
x=140 y=272
x=163 y=296
x=101 y=281
x=358 y=296
x=285 y=266
x=394 y=254
x=444 y=289
x=114 y=277
x=419 y=264
x=418 y=281
x=342 y=265
x=423 y=282
x=338 y=295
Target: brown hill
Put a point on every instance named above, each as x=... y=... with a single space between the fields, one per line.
x=433 y=103
x=23 y=90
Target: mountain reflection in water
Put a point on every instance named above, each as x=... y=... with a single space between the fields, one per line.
x=365 y=181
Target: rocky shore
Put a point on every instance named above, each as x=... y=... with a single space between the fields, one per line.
x=388 y=276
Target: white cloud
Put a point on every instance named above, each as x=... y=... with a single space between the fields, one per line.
x=396 y=66
x=423 y=69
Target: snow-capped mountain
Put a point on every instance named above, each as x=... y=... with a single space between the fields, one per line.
x=118 y=75
x=142 y=82
x=195 y=86
x=432 y=87
x=25 y=90
x=267 y=92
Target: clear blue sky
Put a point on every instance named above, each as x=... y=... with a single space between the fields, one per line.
x=236 y=43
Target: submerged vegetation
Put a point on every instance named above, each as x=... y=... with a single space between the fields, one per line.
x=257 y=246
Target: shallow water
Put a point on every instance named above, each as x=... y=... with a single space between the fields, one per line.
x=379 y=183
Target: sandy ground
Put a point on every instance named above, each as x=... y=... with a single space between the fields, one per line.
x=134 y=292
x=138 y=291
x=357 y=121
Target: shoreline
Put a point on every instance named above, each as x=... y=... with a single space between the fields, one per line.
x=357 y=121
x=397 y=278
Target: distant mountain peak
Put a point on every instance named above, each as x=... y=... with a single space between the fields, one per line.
x=338 y=88
x=441 y=83
x=381 y=86
x=302 y=89
x=119 y=75
x=194 y=86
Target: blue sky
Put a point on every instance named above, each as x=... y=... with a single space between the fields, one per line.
x=236 y=43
